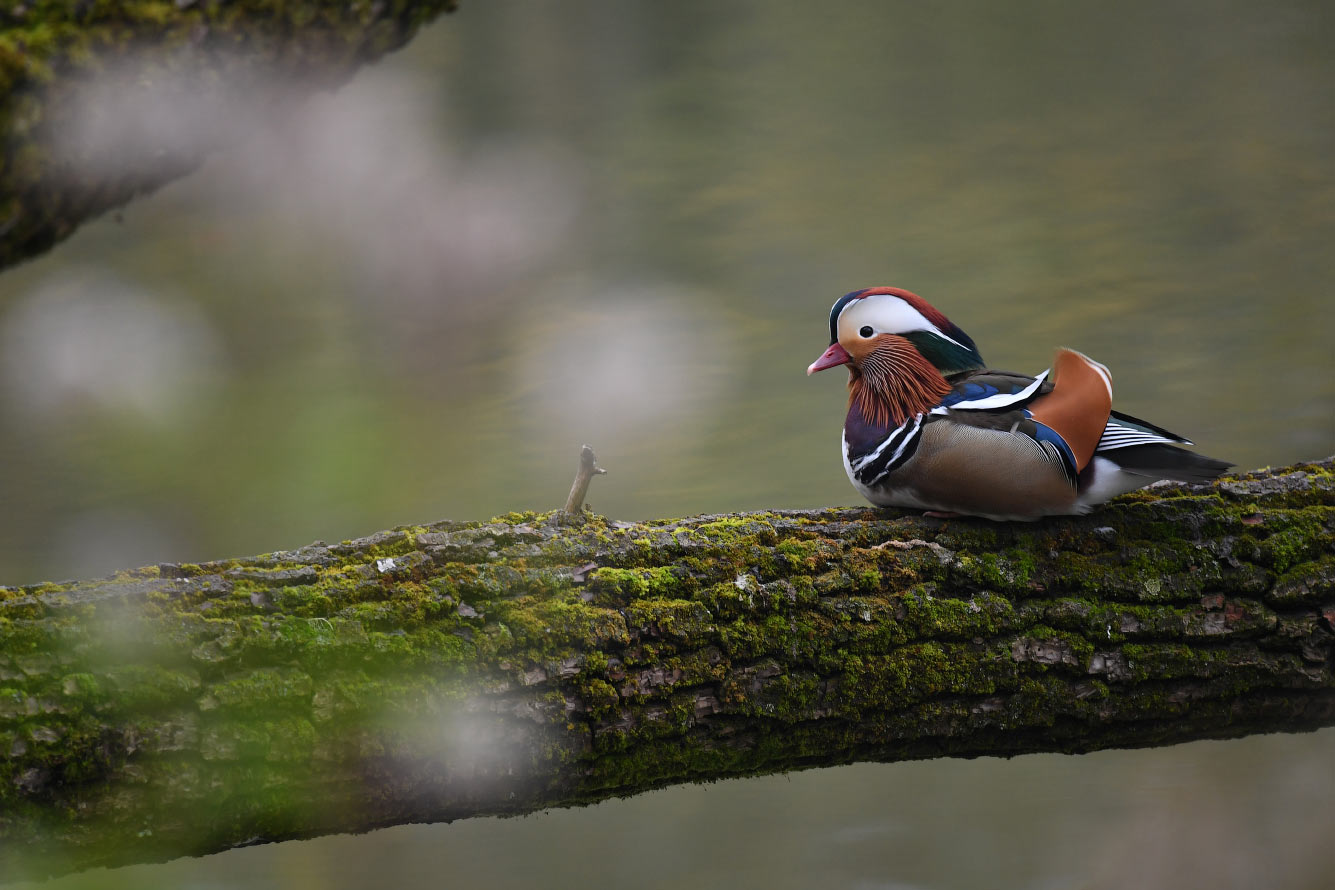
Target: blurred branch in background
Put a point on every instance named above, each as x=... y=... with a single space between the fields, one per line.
x=100 y=102
x=437 y=672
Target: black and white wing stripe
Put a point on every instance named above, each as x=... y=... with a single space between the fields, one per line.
x=971 y=396
x=891 y=454
x=1125 y=431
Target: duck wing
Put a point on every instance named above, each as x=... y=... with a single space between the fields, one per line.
x=1064 y=417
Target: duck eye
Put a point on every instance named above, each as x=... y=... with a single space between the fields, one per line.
x=866 y=330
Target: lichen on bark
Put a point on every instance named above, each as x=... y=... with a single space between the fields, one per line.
x=454 y=669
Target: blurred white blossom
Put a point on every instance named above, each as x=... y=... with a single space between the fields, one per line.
x=370 y=170
x=632 y=364
x=368 y=182
x=87 y=338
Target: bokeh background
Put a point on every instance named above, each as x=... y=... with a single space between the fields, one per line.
x=623 y=223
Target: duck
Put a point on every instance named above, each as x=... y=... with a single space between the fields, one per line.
x=931 y=427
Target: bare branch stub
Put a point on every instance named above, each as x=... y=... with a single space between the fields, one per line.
x=588 y=468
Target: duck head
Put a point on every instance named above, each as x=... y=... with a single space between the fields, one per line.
x=860 y=318
x=898 y=348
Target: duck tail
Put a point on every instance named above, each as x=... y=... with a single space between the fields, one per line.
x=1163 y=461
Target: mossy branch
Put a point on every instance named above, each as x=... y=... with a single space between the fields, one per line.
x=197 y=50
x=450 y=670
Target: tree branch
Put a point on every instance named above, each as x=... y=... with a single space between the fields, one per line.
x=455 y=669
x=204 y=61
x=579 y=489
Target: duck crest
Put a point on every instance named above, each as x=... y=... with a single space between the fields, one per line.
x=893 y=383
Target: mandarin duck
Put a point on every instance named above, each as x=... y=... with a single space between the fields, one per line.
x=930 y=427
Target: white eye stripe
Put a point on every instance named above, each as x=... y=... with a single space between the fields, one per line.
x=886 y=312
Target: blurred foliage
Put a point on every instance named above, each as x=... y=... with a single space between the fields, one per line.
x=69 y=152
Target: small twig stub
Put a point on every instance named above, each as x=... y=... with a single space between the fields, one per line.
x=588 y=468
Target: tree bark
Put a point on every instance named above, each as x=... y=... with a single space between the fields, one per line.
x=455 y=669
x=200 y=63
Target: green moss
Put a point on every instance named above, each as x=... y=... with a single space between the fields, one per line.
x=261 y=690
x=992 y=571
x=803 y=554
x=1045 y=647
x=622 y=585
x=802 y=638
x=81 y=686
x=1307 y=582
x=146 y=687
x=1042 y=701
x=684 y=620
x=1294 y=537
x=926 y=614
x=290 y=740
x=1115 y=622
x=523 y=517
x=1149 y=572
x=790 y=697
x=22 y=633
x=46 y=588
x=730 y=531
x=920 y=671
x=545 y=626
x=13 y=703
x=600 y=698
x=1160 y=661
x=868 y=580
